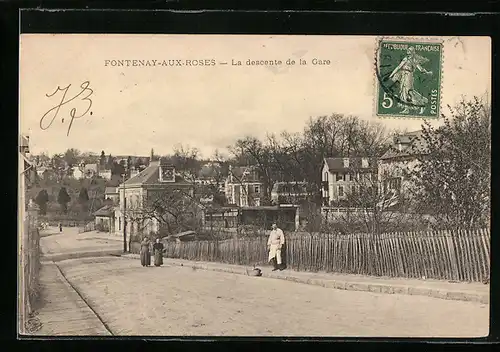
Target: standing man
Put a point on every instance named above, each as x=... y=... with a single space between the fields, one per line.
x=60 y=227
x=274 y=244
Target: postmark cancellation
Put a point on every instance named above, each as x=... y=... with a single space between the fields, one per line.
x=408 y=78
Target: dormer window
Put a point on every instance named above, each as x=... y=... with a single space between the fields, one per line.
x=167 y=173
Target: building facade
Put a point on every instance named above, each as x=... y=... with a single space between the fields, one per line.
x=398 y=162
x=289 y=192
x=344 y=176
x=158 y=177
x=243 y=186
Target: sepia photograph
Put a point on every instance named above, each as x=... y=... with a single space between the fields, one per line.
x=254 y=185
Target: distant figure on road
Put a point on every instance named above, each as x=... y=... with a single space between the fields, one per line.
x=145 y=254
x=158 y=252
x=60 y=227
x=274 y=244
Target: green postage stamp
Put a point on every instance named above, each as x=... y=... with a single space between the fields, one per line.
x=408 y=78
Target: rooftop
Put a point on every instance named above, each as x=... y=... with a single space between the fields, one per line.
x=90 y=167
x=354 y=163
x=151 y=176
x=107 y=210
x=245 y=174
x=411 y=144
x=111 y=190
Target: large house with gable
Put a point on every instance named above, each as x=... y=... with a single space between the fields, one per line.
x=244 y=187
x=156 y=178
x=342 y=176
x=399 y=160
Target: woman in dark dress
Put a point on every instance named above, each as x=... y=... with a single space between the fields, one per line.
x=158 y=252
x=145 y=254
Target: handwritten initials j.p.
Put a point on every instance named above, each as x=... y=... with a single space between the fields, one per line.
x=85 y=91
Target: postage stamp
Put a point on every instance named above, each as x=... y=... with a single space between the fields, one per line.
x=408 y=78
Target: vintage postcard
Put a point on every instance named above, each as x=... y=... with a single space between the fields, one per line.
x=254 y=185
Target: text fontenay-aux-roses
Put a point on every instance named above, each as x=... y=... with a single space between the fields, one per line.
x=207 y=62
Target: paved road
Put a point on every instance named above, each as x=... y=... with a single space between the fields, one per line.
x=174 y=300
x=133 y=300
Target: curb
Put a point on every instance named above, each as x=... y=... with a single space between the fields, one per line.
x=338 y=285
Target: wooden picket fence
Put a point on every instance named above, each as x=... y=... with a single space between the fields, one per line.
x=90 y=226
x=457 y=255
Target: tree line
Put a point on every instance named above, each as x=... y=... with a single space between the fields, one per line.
x=451 y=182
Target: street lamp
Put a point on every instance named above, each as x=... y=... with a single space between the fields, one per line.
x=124 y=216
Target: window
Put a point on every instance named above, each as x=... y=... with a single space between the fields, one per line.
x=395 y=183
x=340 y=176
x=257 y=189
x=119 y=223
x=346 y=162
x=325 y=177
x=364 y=162
x=341 y=191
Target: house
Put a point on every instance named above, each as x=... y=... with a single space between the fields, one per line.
x=219 y=217
x=77 y=173
x=289 y=192
x=112 y=194
x=84 y=171
x=90 y=170
x=26 y=173
x=104 y=173
x=243 y=186
x=210 y=178
x=105 y=219
x=262 y=217
x=342 y=176
x=41 y=171
x=399 y=160
x=156 y=178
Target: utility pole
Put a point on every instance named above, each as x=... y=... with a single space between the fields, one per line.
x=124 y=217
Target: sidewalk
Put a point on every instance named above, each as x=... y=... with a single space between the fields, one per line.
x=63 y=311
x=474 y=292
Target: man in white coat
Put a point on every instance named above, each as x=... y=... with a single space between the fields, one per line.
x=274 y=244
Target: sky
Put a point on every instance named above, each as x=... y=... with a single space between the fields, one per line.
x=137 y=108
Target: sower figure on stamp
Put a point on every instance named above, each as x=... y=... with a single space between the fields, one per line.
x=274 y=244
x=404 y=74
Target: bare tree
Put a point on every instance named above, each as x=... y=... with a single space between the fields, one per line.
x=372 y=206
x=173 y=210
x=256 y=153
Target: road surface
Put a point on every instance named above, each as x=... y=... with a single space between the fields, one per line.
x=176 y=301
x=173 y=300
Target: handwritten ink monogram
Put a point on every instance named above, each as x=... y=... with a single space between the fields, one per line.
x=84 y=94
